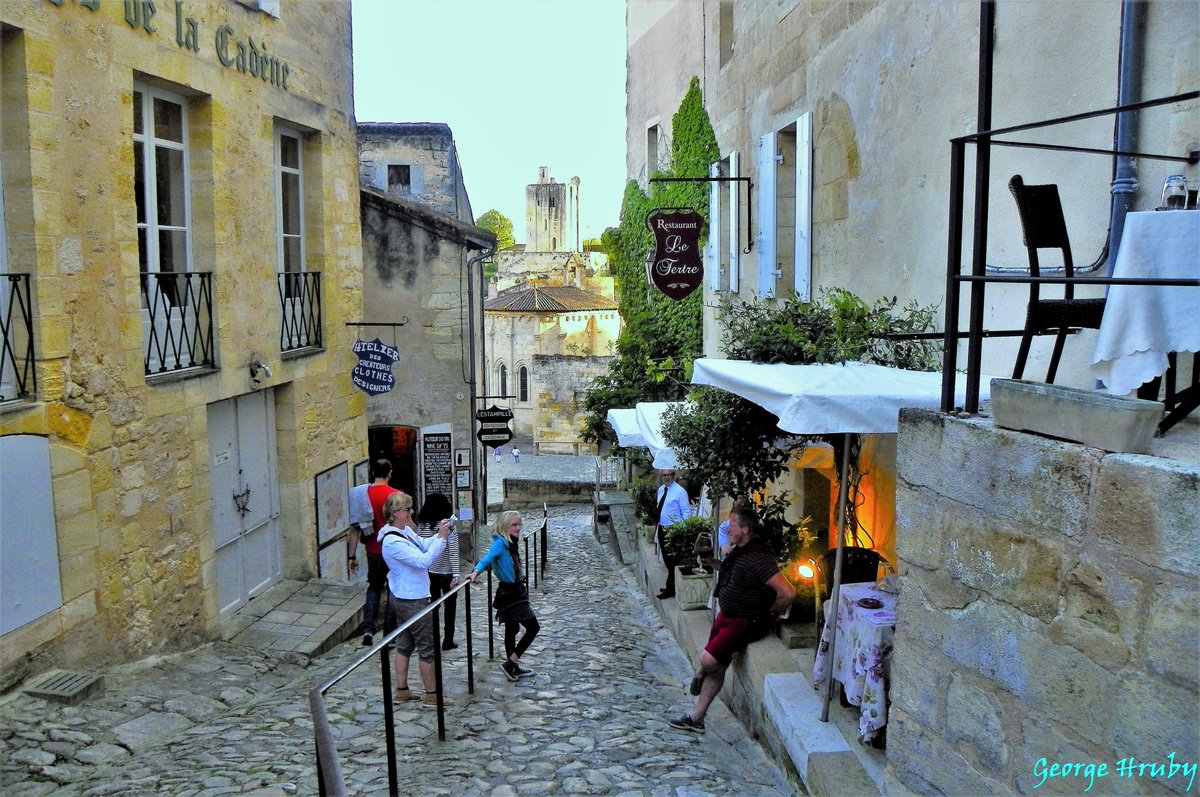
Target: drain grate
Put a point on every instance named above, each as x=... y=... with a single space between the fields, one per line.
x=64 y=686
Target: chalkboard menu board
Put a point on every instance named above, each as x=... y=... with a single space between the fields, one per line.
x=437 y=456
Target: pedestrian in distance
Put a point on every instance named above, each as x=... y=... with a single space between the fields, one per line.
x=752 y=593
x=377 y=571
x=516 y=452
x=673 y=506
x=498 y=452
x=511 y=600
x=443 y=573
x=408 y=557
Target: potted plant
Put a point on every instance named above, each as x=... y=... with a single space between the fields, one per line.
x=693 y=581
x=645 y=504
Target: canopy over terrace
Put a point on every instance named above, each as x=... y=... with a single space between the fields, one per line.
x=649 y=420
x=641 y=427
x=624 y=423
x=851 y=398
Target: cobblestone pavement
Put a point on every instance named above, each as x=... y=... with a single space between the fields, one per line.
x=227 y=720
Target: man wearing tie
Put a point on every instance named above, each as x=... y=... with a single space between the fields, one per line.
x=673 y=506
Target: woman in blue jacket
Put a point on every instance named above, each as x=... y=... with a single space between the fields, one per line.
x=511 y=600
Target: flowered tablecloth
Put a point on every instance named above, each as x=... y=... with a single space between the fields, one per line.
x=862 y=653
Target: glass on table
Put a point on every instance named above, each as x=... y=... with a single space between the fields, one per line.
x=1174 y=193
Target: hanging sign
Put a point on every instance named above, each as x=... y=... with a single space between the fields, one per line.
x=675 y=267
x=493 y=426
x=373 y=374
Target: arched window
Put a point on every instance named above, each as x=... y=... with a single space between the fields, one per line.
x=523 y=381
x=503 y=379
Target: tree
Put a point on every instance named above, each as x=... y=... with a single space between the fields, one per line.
x=499 y=225
x=659 y=336
x=735 y=446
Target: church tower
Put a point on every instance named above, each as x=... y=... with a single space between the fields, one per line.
x=552 y=215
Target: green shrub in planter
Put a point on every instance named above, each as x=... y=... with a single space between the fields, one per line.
x=681 y=539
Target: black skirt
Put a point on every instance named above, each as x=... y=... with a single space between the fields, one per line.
x=511 y=603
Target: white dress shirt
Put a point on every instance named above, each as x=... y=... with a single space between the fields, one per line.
x=408 y=558
x=676 y=507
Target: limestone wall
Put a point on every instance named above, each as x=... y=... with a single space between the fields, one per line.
x=429 y=152
x=130 y=456
x=888 y=84
x=1048 y=611
x=562 y=384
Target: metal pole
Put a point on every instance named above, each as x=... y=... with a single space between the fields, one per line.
x=835 y=593
x=437 y=677
x=491 y=622
x=983 y=171
x=953 y=266
x=470 y=647
x=389 y=722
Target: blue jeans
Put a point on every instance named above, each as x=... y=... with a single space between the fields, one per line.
x=377 y=589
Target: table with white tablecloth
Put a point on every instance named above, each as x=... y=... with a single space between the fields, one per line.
x=862 y=657
x=1144 y=323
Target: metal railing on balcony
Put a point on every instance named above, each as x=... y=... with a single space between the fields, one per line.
x=177 y=321
x=1177 y=402
x=300 y=306
x=17 y=375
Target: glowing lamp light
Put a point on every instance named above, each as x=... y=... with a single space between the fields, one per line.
x=806 y=571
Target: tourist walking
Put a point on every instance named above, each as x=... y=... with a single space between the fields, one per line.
x=516 y=452
x=444 y=572
x=377 y=571
x=511 y=600
x=752 y=592
x=408 y=558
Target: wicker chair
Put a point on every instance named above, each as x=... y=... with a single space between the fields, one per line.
x=1043 y=227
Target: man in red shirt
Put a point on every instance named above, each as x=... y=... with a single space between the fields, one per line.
x=377 y=569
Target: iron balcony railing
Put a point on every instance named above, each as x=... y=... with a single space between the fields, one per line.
x=300 y=305
x=976 y=281
x=177 y=321
x=17 y=375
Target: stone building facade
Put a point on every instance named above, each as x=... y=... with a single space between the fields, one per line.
x=841 y=113
x=421 y=269
x=180 y=224
x=1028 y=628
x=544 y=346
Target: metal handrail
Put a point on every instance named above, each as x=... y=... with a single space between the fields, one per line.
x=329 y=771
x=977 y=278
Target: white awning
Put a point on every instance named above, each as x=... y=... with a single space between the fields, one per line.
x=624 y=423
x=649 y=420
x=831 y=399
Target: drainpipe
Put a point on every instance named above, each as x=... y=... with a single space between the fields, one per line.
x=1129 y=90
x=486 y=251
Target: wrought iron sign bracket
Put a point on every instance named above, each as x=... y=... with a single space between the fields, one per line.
x=749 y=197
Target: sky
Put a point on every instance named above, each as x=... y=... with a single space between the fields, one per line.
x=521 y=83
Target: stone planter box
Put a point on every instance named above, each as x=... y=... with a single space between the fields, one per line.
x=692 y=590
x=1113 y=423
x=646 y=532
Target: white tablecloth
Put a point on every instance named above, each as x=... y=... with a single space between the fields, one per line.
x=1142 y=324
x=862 y=653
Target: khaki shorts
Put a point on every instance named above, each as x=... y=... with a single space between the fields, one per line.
x=418 y=636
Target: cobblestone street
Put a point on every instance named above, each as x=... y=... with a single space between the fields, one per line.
x=227 y=720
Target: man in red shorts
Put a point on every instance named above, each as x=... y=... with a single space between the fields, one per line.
x=752 y=592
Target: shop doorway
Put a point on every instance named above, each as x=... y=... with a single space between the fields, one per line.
x=399 y=445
